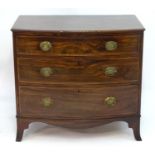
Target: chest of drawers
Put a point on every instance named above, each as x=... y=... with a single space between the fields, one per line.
x=78 y=71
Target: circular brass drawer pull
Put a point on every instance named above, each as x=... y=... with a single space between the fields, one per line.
x=111 y=45
x=46 y=71
x=110 y=101
x=110 y=71
x=45 y=46
x=47 y=101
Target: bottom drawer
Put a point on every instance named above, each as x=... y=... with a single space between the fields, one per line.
x=78 y=102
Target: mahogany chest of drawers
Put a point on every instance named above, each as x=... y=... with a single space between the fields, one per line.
x=78 y=71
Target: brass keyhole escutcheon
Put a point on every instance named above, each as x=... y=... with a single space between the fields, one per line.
x=110 y=101
x=45 y=46
x=111 y=45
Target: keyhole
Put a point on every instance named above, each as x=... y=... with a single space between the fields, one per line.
x=78 y=91
x=78 y=62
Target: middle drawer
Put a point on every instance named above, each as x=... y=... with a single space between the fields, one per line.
x=77 y=69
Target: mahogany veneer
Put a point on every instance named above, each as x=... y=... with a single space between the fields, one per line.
x=78 y=71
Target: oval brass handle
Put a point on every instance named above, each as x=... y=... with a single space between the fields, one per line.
x=110 y=71
x=47 y=101
x=45 y=46
x=46 y=71
x=111 y=45
x=110 y=101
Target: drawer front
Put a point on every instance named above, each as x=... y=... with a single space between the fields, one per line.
x=78 y=102
x=77 y=69
x=48 y=46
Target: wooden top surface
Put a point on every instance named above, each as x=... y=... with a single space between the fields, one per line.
x=74 y=23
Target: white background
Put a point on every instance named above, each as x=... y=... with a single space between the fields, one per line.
x=115 y=138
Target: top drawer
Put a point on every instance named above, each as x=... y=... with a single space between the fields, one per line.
x=50 y=46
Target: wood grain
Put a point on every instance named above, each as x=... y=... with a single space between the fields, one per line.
x=78 y=103
x=78 y=85
x=77 y=69
x=132 y=120
x=30 y=45
x=76 y=23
